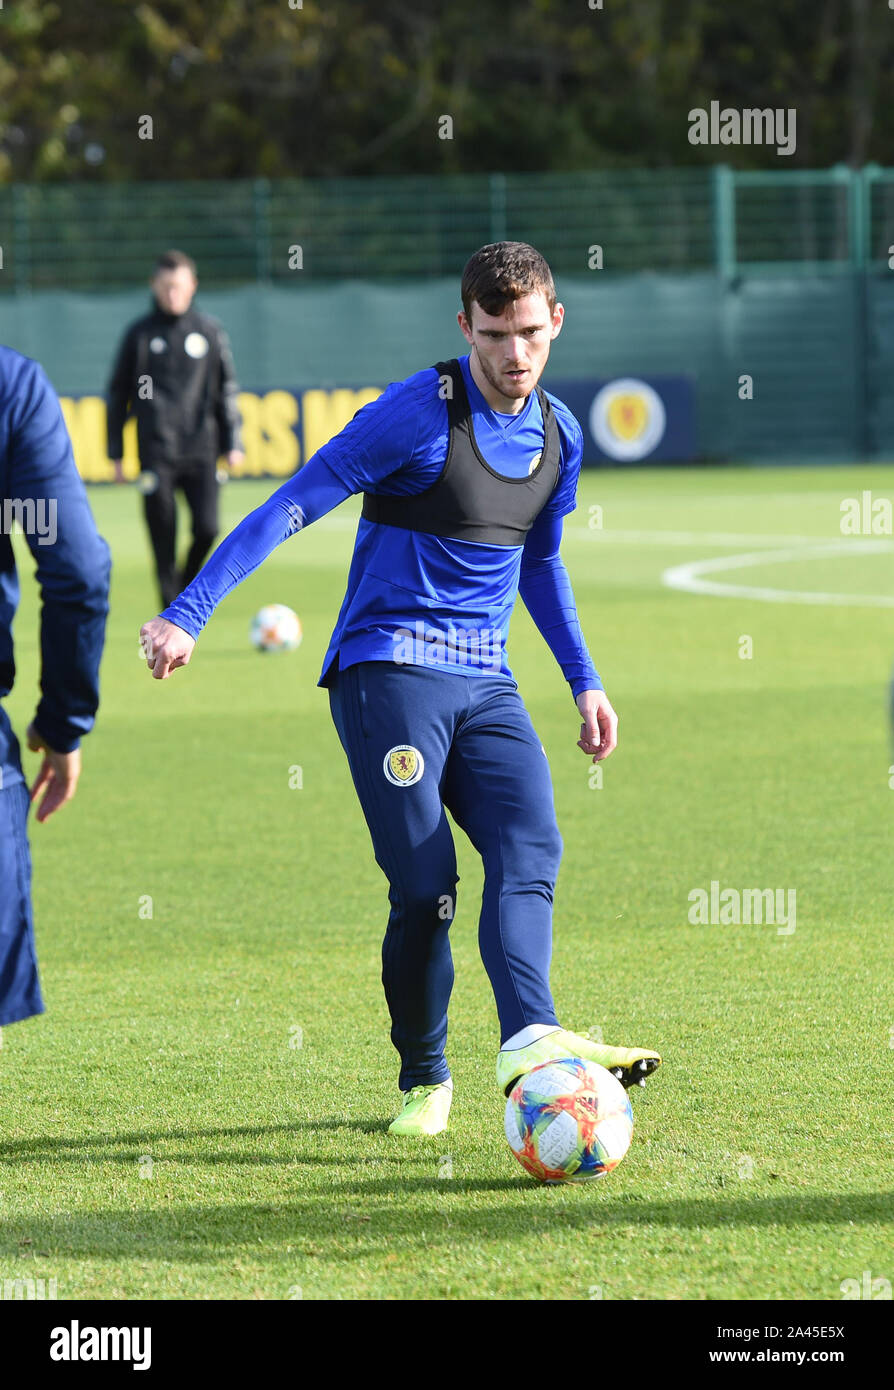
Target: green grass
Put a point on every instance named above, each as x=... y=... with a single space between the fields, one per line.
x=162 y=1136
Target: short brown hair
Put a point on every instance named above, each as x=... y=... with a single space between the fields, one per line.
x=173 y=260
x=504 y=271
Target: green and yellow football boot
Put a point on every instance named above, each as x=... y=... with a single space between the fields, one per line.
x=631 y=1065
x=425 y=1111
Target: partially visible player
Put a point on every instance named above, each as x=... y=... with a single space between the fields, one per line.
x=467 y=469
x=41 y=489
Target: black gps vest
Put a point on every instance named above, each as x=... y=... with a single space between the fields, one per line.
x=469 y=501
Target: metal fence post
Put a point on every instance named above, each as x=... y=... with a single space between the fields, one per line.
x=723 y=195
x=857 y=237
x=723 y=199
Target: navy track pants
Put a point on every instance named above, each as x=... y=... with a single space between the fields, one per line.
x=419 y=739
x=20 y=995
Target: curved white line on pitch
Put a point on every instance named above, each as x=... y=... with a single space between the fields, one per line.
x=688 y=578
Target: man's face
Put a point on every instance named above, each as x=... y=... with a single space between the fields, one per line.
x=512 y=349
x=174 y=289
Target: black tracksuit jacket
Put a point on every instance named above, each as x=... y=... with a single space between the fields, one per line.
x=188 y=410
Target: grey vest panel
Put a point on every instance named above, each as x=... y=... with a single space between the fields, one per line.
x=469 y=501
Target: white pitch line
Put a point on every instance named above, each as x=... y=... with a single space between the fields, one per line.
x=688 y=578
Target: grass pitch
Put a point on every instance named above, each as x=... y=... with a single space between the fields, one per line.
x=201 y=1113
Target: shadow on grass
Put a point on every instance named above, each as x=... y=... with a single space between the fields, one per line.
x=347 y=1220
x=58 y=1146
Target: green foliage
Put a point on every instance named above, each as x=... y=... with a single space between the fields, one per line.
x=359 y=86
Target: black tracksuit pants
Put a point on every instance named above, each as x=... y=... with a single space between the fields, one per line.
x=197 y=480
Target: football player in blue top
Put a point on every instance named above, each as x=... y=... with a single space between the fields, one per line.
x=42 y=491
x=467 y=469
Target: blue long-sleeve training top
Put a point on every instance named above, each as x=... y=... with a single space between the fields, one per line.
x=409 y=581
x=41 y=490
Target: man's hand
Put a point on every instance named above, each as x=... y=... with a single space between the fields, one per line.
x=166 y=646
x=59 y=773
x=118 y=465
x=235 y=458
x=599 y=731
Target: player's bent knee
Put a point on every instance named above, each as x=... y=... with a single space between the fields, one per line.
x=424 y=905
x=550 y=855
x=539 y=854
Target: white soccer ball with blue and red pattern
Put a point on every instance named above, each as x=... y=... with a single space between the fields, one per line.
x=568 y=1121
x=276 y=628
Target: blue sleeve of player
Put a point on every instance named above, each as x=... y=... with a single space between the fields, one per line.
x=379 y=440
x=382 y=436
x=73 y=562
x=564 y=496
x=545 y=587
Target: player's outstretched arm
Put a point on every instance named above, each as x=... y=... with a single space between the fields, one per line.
x=378 y=441
x=168 y=640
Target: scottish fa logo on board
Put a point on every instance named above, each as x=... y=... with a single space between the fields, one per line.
x=627 y=419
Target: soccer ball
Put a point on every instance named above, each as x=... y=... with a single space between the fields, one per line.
x=568 y=1121
x=276 y=629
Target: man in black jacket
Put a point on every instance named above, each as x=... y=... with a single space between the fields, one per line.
x=175 y=373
